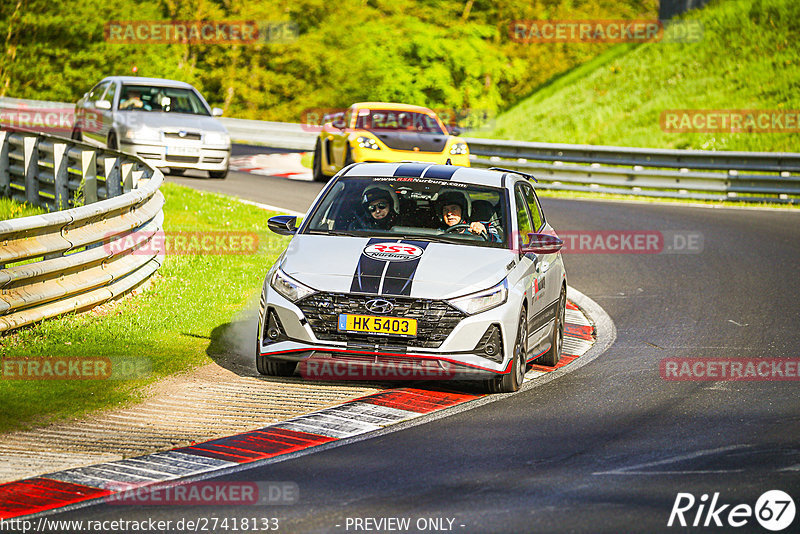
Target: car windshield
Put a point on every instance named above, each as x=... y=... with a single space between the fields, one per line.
x=431 y=209
x=161 y=99
x=396 y=120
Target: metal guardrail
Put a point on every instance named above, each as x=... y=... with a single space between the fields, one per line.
x=700 y=174
x=688 y=174
x=77 y=258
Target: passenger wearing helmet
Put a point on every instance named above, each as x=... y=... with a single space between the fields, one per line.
x=379 y=210
x=454 y=209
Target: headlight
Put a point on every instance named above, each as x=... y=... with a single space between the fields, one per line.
x=482 y=300
x=288 y=286
x=367 y=142
x=142 y=133
x=217 y=138
x=458 y=148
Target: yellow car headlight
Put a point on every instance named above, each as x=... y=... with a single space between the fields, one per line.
x=458 y=148
x=367 y=142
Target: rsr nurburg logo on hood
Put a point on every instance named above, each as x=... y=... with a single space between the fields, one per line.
x=393 y=251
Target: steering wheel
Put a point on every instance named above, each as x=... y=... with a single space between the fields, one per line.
x=463 y=226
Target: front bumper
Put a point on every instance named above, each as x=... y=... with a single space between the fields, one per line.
x=457 y=357
x=395 y=156
x=184 y=156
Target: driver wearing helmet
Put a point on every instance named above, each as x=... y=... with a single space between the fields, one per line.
x=454 y=209
x=380 y=210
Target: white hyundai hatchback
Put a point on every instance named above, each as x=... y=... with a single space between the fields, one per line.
x=451 y=266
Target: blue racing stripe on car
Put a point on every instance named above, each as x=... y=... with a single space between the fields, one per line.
x=400 y=274
x=441 y=172
x=367 y=278
x=411 y=170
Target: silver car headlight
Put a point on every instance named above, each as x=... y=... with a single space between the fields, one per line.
x=217 y=138
x=141 y=133
x=482 y=300
x=367 y=142
x=458 y=148
x=288 y=287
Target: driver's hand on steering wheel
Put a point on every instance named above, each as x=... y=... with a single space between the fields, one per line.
x=477 y=228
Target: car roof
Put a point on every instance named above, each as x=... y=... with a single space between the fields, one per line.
x=394 y=106
x=456 y=173
x=139 y=80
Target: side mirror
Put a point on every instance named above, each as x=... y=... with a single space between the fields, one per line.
x=542 y=244
x=455 y=131
x=103 y=104
x=216 y=112
x=283 y=224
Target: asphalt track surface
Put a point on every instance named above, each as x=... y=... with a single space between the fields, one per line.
x=607 y=447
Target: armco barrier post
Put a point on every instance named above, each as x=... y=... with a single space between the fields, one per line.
x=5 y=178
x=113 y=179
x=60 y=175
x=88 y=163
x=31 y=164
x=127 y=176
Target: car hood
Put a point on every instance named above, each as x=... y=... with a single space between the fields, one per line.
x=169 y=121
x=339 y=264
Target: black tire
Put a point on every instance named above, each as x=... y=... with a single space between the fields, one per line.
x=177 y=172
x=112 y=142
x=551 y=357
x=511 y=382
x=218 y=175
x=348 y=157
x=317 y=164
x=266 y=365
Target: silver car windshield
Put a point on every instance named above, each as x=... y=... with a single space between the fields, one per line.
x=436 y=210
x=161 y=99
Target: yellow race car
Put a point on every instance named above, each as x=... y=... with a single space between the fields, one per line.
x=385 y=132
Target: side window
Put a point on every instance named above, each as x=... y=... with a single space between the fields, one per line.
x=533 y=207
x=523 y=220
x=112 y=91
x=97 y=92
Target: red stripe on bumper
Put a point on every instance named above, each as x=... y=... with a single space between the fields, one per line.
x=33 y=495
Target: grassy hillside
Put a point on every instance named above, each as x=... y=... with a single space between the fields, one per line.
x=749 y=58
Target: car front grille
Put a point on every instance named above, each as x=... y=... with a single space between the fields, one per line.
x=182 y=159
x=188 y=135
x=435 y=319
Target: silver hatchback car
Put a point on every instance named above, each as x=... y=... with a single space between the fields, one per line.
x=451 y=272
x=165 y=122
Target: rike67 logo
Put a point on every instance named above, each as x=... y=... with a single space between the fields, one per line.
x=774 y=510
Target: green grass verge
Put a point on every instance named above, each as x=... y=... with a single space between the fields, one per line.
x=748 y=58
x=170 y=326
x=14 y=210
